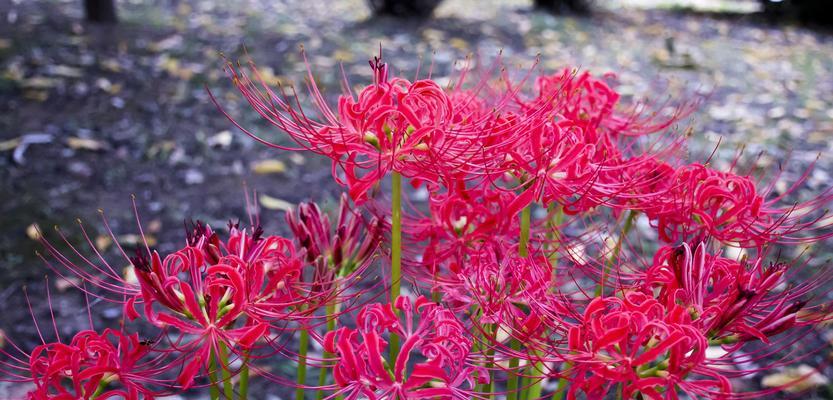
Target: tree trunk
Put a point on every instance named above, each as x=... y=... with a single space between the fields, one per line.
x=101 y=10
x=561 y=6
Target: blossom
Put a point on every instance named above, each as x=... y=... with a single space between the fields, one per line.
x=640 y=344
x=695 y=201
x=111 y=364
x=460 y=220
x=393 y=124
x=732 y=301
x=221 y=293
x=426 y=329
x=335 y=250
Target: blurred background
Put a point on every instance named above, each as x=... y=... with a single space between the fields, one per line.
x=104 y=99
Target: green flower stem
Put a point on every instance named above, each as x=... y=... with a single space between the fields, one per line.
x=513 y=378
x=228 y=387
x=555 y=220
x=100 y=389
x=214 y=389
x=514 y=344
x=523 y=244
x=616 y=250
x=490 y=360
x=562 y=384
x=244 y=379
x=395 y=252
x=303 y=346
x=332 y=309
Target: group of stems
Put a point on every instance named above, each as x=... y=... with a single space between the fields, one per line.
x=530 y=387
x=219 y=373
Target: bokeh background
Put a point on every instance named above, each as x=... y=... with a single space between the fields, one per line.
x=92 y=113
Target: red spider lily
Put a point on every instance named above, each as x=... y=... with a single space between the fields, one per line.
x=460 y=220
x=93 y=366
x=592 y=104
x=231 y=291
x=575 y=153
x=392 y=124
x=337 y=250
x=696 y=201
x=435 y=337
x=494 y=283
x=731 y=301
x=641 y=346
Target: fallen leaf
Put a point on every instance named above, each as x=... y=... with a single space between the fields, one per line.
x=10 y=144
x=85 y=144
x=268 y=167
x=796 y=379
x=36 y=95
x=103 y=242
x=458 y=44
x=222 y=139
x=25 y=141
x=175 y=68
x=111 y=65
x=136 y=240
x=65 y=71
x=130 y=275
x=166 y=44
x=40 y=82
x=273 y=203
x=33 y=231
x=65 y=283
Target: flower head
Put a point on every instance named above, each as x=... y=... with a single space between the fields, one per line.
x=429 y=333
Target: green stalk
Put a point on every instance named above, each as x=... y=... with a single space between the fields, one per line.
x=244 y=380
x=514 y=344
x=331 y=326
x=228 y=388
x=395 y=252
x=100 y=389
x=512 y=379
x=214 y=389
x=303 y=346
x=523 y=244
x=616 y=249
x=555 y=222
x=490 y=361
x=562 y=384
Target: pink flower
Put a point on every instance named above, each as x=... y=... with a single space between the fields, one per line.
x=695 y=201
x=732 y=301
x=108 y=365
x=221 y=293
x=391 y=125
x=340 y=250
x=434 y=333
x=638 y=343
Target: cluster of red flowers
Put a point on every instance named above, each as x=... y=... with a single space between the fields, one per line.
x=527 y=264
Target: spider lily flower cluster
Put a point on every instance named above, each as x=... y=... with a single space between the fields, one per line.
x=525 y=274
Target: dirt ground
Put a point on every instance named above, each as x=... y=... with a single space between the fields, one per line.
x=90 y=115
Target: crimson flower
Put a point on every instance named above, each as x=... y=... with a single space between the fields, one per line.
x=695 y=201
x=415 y=128
x=429 y=333
x=112 y=364
x=637 y=343
x=731 y=301
x=220 y=293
